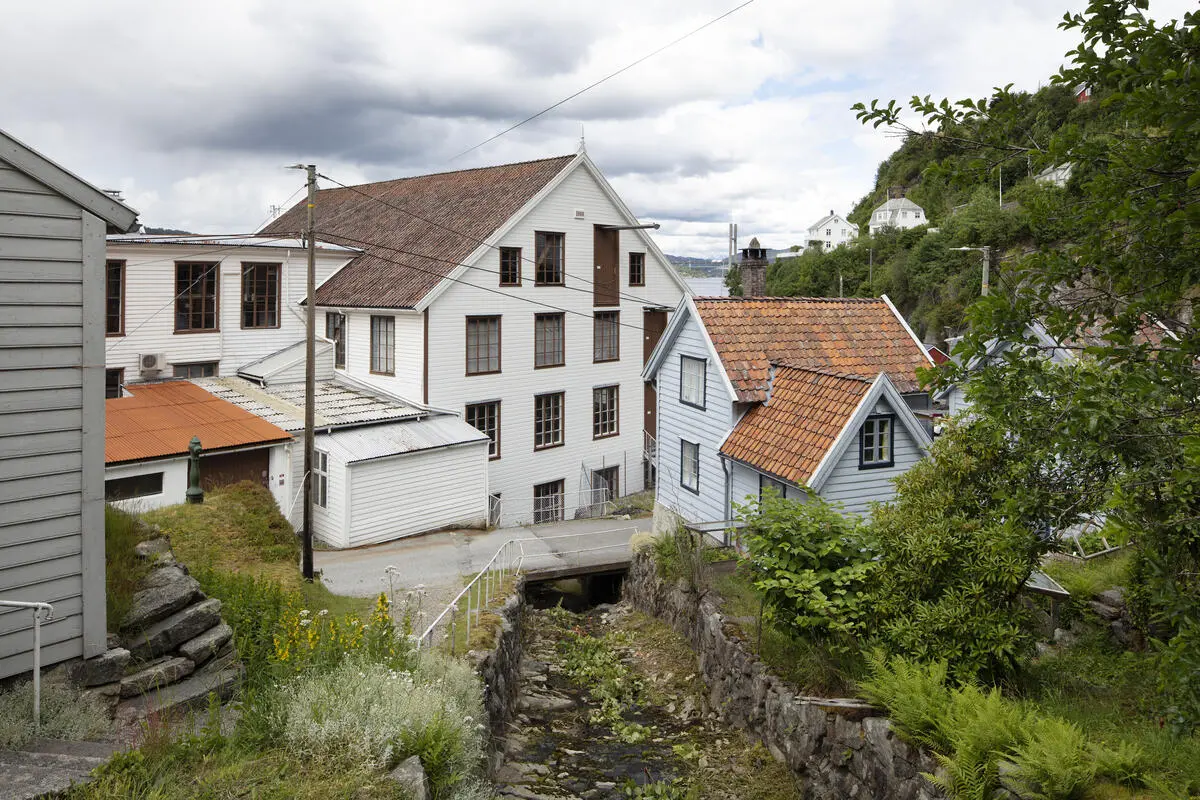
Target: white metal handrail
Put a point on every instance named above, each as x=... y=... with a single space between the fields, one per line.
x=38 y=609
x=507 y=561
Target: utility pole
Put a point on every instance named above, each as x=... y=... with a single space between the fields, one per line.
x=987 y=265
x=310 y=373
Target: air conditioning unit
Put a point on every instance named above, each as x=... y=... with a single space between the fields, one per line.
x=153 y=362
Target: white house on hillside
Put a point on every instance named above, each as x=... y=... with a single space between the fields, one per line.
x=899 y=213
x=52 y=228
x=832 y=230
x=807 y=396
x=194 y=307
x=524 y=297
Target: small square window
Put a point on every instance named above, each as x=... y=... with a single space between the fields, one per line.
x=875 y=442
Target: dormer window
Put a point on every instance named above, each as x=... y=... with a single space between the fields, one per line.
x=875 y=442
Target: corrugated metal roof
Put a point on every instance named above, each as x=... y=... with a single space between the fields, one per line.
x=281 y=359
x=379 y=441
x=159 y=420
x=279 y=242
x=335 y=403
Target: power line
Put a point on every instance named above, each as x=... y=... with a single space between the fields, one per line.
x=611 y=75
x=490 y=289
x=470 y=237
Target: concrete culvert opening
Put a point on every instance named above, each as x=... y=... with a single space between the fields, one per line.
x=579 y=593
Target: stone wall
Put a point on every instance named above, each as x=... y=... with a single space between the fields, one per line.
x=840 y=748
x=500 y=668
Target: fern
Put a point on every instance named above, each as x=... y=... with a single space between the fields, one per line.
x=1055 y=762
x=915 y=695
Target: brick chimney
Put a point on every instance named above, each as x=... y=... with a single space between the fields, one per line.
x=753 y=267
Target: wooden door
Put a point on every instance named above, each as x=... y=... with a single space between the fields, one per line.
x=606 y=250
x=650 y=425
x=653 y=325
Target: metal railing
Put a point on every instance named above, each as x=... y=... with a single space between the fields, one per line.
x=559 y=553
x=37 y=609
x=505 y=563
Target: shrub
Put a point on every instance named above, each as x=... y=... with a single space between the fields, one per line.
x=811 y=564
x=680 y=555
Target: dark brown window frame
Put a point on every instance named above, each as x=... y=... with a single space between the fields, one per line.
x=248 y=266
x=616 y=411
x=109 y=264
x=187 y=365
x=562 y=353
x=391 y=356
x=215 y=267
x=499 y=344
x=562 y=420
x=616 y=333
x=339 y=343
x=120 y=372
x=538 y=244
x=641 y=281
x=511 y=252
x=559 y=490
x=493 y=440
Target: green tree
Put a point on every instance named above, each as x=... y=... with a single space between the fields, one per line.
x=1117 y=271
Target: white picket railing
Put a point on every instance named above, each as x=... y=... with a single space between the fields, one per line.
x=38 y=609
x=506 y=562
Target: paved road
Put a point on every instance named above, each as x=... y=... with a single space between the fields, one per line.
x=440 y=561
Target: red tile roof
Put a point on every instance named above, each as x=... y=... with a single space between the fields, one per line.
x=843 y=335
x=407 y=257
x=159 y=420
x=790 y=434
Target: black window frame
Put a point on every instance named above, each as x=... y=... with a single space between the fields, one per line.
x=493 y=434
x=203 y=283
x=703 y=405
x=147 y=484
x=335 y=331
x=377 y=365
x=542 y=416
x=606 y=330
x=540 y=348
x=890 y=419
x=253 y=305
x=767 y=482
x=684 y=444
x=113 y=380
x=510 y=261
x=114 y=306
x=549 y=271
x=612 y=413
x=483 y=319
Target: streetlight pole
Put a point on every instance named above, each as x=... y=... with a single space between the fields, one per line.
x=987 y=264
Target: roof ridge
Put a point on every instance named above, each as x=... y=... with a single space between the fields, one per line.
x=449 y=172
x=798 y=298
x=778 y=362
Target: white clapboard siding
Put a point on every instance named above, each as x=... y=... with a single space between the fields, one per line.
x=417 y=492
x=409 y=351
x=855 y=488
x=519 y=467
x=678 y=422
x=150 y=309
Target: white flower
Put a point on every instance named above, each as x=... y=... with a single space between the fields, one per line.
x=304 y=612
x=324 y=612
x=305 y=622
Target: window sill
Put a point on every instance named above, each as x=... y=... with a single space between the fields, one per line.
x=490 y=372
x=538 y=449
x=550 y=366
x=391 y=374
x=191 y=331
x=612 y=435
x=880 y=465
x=692 y=405
x=605 y=360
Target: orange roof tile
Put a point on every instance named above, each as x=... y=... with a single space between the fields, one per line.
x=843 y=335
x=159 y=420
x=790 y=434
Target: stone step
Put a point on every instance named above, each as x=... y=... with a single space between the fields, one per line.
x=190 y=693
x=47 y=766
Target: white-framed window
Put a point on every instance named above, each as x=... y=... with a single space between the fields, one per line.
x=875 y=442
x=485 y=417
x=548 y=420
x=605 y=402
x=692 y=377
x=320 y=484
x=689 y=465
x=383 y=345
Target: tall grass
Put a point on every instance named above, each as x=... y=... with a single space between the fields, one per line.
x=124 y=570
x=65 y=714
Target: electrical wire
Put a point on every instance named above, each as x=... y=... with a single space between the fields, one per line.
x=611 y=75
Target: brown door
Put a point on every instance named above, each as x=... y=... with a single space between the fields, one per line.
x=651 y=405
x=606 y=250
x=225 y=469
x=653 y=325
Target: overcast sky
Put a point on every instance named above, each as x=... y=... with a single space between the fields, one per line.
x=192 y=109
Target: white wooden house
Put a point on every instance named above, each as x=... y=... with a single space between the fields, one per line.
x=810 y=396
x=898 y=213
x=52 y=229
x=202 y=306
x=832 y=230
x=524 y=297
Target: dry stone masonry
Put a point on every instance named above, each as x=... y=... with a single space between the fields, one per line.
x=173 y=651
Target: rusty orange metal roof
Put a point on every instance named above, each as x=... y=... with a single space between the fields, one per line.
x=789 y=434
x=159 y=419
x=850 y=336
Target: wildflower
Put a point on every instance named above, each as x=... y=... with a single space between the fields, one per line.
x=324 y=612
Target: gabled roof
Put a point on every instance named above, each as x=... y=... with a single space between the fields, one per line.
x=851 y=336
x=809 y=420
x=827 y=218
x=405 y=257
x=898 y=204
x=24 y=158
x=158 y=420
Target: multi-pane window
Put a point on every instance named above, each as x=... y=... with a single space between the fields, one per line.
x=197 y=369
x=547 y=420
x=548 y=257
x=335 y=331
x=606 y=335
x=483 y=345
x=195 y=296
x=604 y=412
x=485 y=417
x=320 y=479
x=114 y=298
x=260 y=295
x=510 y=266
x=689 y=466
x=875 y=440
x=548 y=348
x=548 y=502
x=692 y=380
x=637 y=269
x=113 y=378
x=383 y=345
